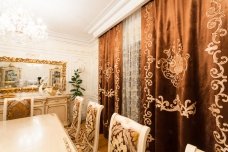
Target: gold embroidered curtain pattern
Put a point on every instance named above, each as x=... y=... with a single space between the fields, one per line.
x=110 y=74
x=183 y=73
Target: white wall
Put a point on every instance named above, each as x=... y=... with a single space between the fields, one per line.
x=60 y=49
x=76 y=55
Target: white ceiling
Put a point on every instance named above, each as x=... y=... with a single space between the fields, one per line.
x=68 y=17
x=77 y=19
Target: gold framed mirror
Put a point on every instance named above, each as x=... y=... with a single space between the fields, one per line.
x=26 y=75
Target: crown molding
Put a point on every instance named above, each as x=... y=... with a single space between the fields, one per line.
x=83 y=41
x=107 y=14
x=64 y=50
x=112 y=14
x=101 y=14
x=116 y=14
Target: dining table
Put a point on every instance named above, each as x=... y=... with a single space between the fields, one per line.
x=42 y=133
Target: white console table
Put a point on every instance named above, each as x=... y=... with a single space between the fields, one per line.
x=47 y=104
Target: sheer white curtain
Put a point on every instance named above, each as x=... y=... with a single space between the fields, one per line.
x=131 y=66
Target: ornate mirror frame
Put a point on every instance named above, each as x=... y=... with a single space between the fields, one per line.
x=27 y=60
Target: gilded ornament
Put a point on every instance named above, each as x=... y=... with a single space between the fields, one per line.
x=186 y=109
x=107 y=93
x=175 y=65
x=215 y=15
x=26 y=60
x=108 y=71
x=147 y=116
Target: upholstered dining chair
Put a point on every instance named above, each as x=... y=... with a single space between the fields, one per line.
x=15 y=108
x=90 y=138
x=191 y=148
x=74 y=128
x=126 y=135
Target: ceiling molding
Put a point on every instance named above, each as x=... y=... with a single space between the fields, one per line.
x=70 y=39
x=19 y=49
x=101 y=13
x=106 y=14
x=117 y=13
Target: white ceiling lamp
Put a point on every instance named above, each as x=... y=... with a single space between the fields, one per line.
x=18 y=24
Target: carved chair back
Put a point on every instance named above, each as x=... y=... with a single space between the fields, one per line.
x=76 y=122
x=92 y=127
x=126 y=135
x=15 y=108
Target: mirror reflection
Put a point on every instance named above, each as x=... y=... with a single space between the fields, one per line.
x=32 y=75
x=28 y=74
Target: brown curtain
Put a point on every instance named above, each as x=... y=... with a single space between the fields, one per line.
x=110 y=74
x=184 y=67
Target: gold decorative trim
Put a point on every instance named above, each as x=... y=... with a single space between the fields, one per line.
x=26 y=60
x=16 y=90
x=117 y=70
x=215 y=15
x=107 y=93
x=108 y=71
x=148 y=73
x=99 y=76
x=175 y=65
x=185 y=110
